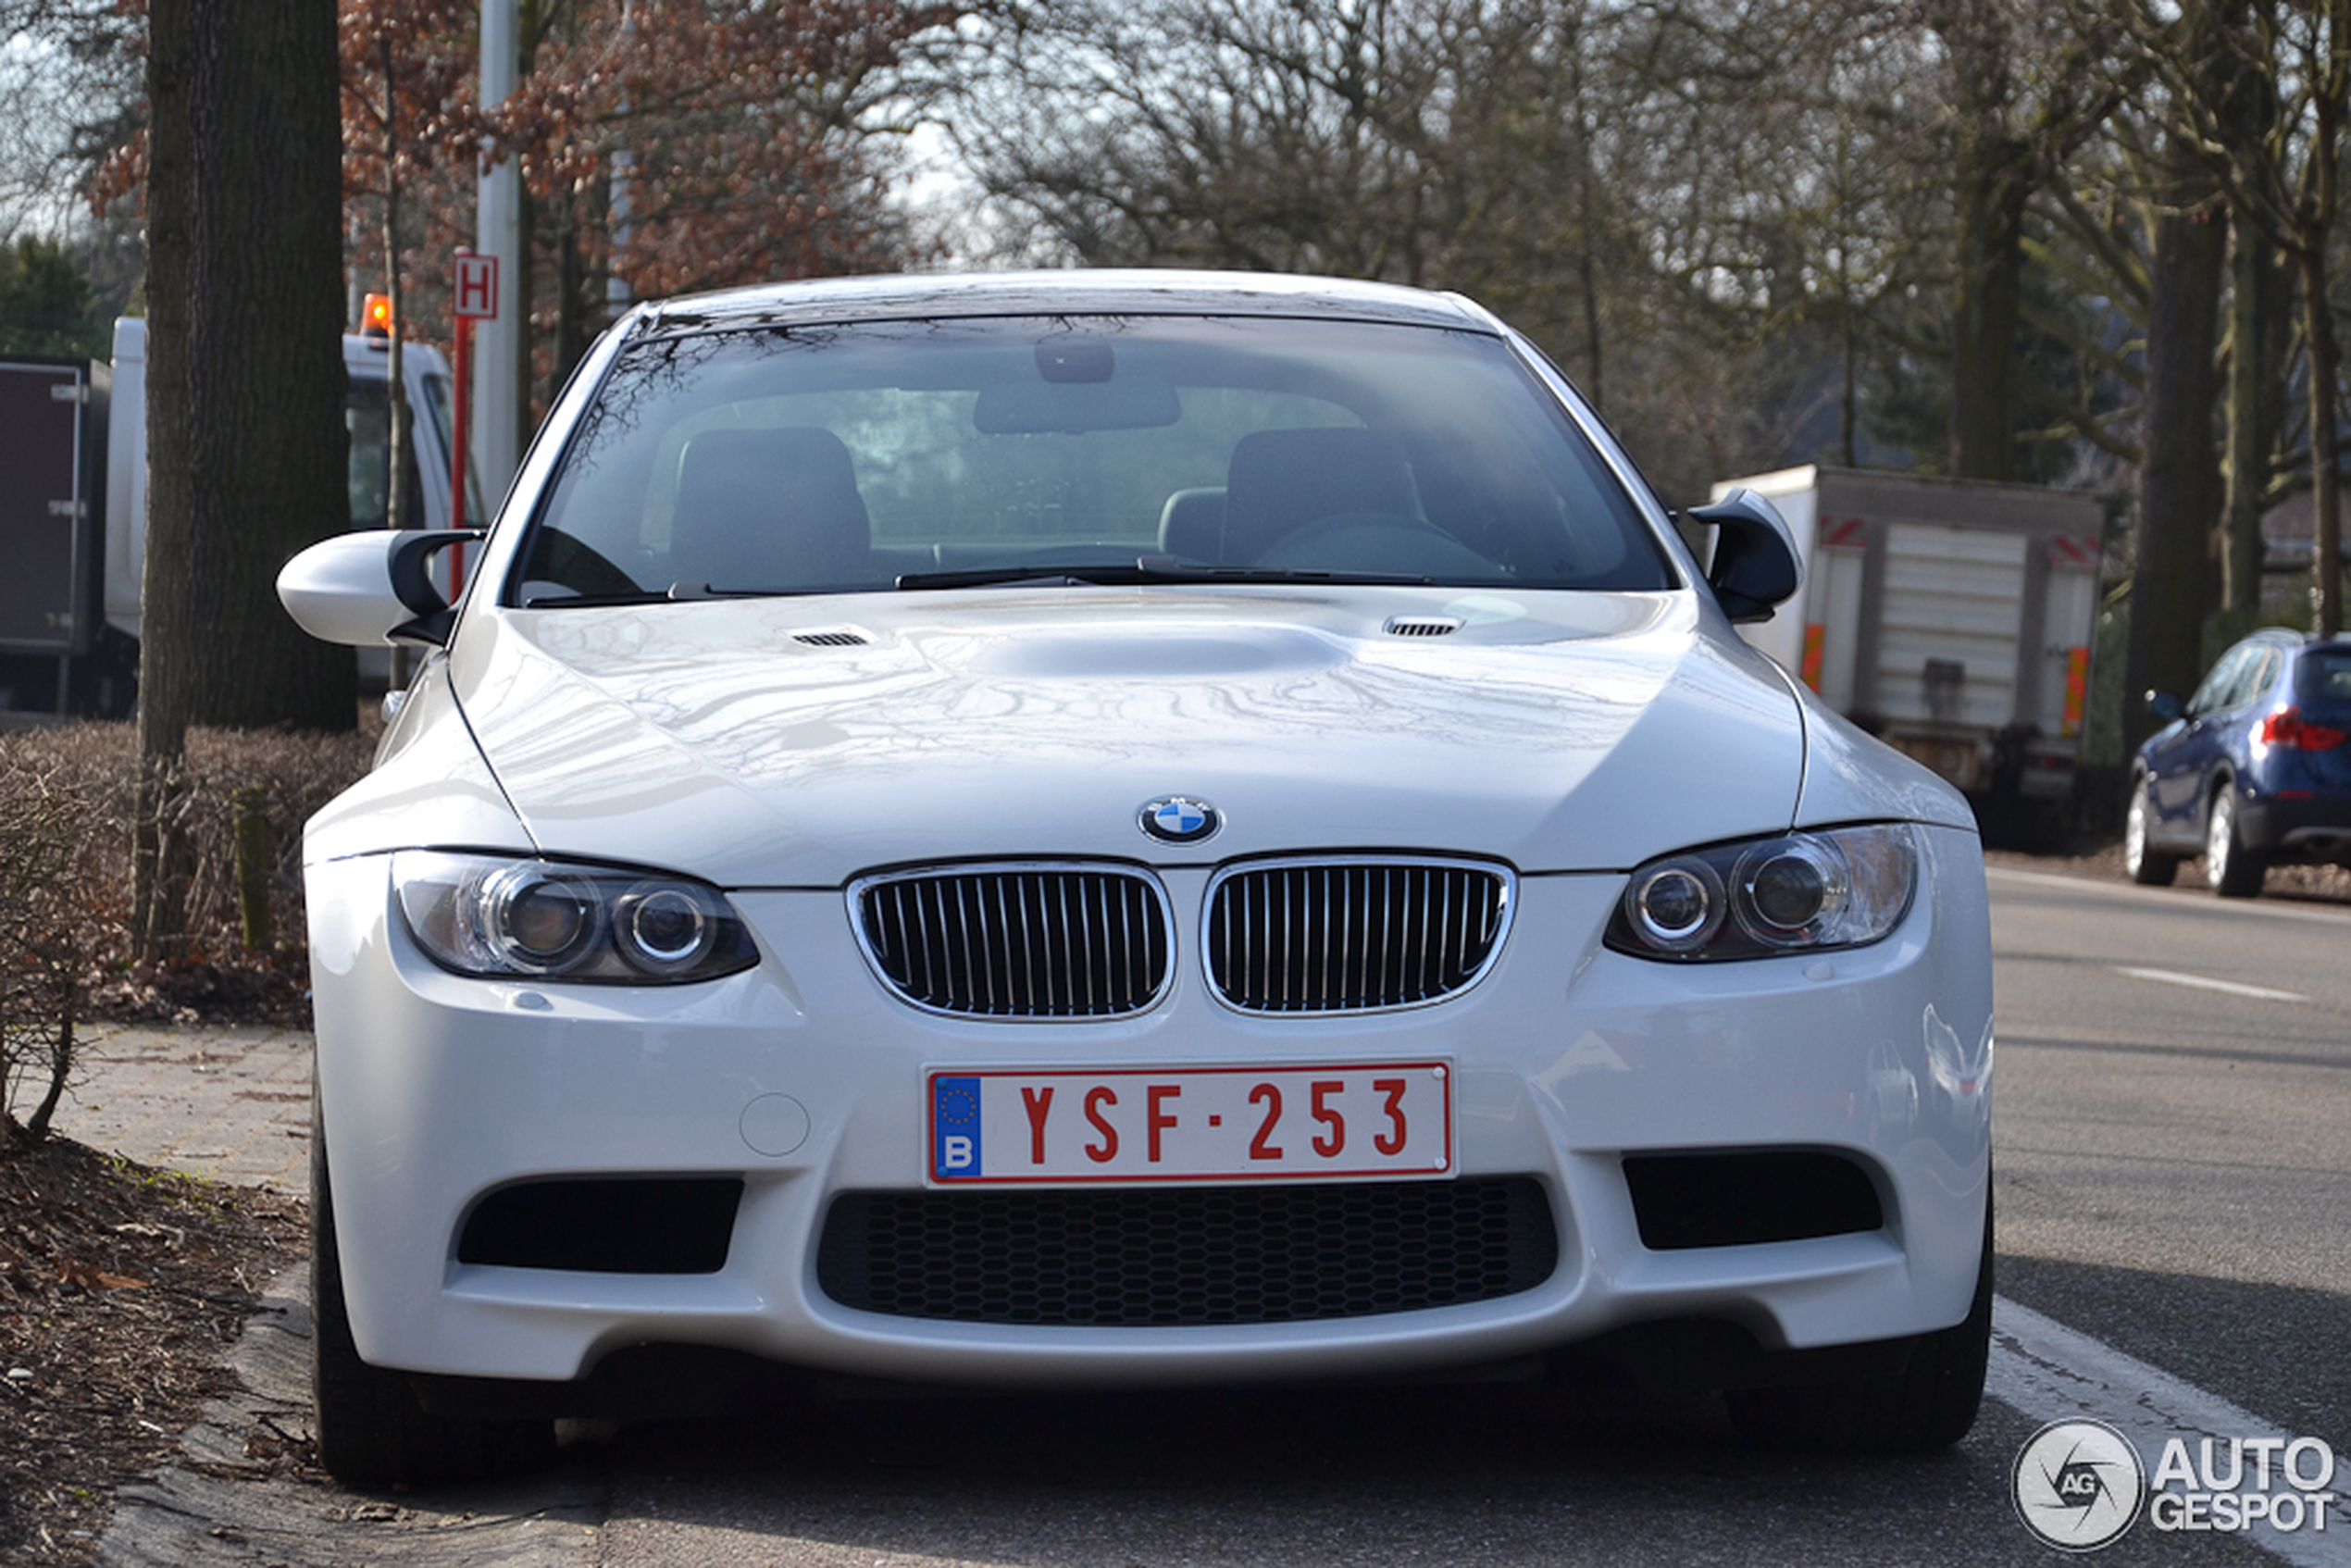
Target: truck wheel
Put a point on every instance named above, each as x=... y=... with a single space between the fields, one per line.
x=1929 y=1405
x=2233 y=871
x=371 y=1428
x=2142 y=863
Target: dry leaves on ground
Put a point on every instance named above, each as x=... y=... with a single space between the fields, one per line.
x=120 y=1285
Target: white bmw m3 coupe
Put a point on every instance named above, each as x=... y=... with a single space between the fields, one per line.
x=1121 y=829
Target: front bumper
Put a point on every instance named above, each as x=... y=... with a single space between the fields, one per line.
x=803 y=1078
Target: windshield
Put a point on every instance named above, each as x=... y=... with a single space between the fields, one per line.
x=934 y=454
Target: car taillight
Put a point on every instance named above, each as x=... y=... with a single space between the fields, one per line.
x=2288 y=731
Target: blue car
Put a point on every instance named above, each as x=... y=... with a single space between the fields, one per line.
x=2255 y=768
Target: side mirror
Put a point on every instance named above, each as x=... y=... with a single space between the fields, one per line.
x=1756 y=568
x=371 y=587
x=2165 y=705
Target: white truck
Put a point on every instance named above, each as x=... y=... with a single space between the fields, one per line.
x=1951 y=617
x=73 y=508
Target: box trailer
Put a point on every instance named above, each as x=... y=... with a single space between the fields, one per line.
x=1951 y=617
x=73 y=508
x=53 y=457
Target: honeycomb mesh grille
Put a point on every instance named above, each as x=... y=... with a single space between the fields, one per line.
x=1019 y=941
x=1351 y=935
x=1171 y=1256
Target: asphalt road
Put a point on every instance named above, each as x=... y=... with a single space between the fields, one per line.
x=2173 y=1135
x=2175 y=1182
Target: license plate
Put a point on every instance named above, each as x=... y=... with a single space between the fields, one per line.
x=1112 y=1125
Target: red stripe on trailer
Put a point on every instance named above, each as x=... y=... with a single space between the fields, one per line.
x=2074 y=551
x=1844 y=534
x=1815 y=634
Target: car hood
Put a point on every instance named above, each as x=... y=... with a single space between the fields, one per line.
x=797 y=742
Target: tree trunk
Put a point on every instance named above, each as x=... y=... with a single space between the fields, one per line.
x=249 y=445
x=1991 y=174
x=246 y=445
x=161 y=856
x=2259 y=313
x=1987 y=310
x=2180 y=481
x=395 y=368
x=574 y=328
x=2326 y=483
x=2326 y=360
x=2261 y=323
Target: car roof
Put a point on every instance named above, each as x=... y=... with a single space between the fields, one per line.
x=2294 y=641
x=1106 y=291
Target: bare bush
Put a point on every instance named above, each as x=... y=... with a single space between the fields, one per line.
x=213 y=973
x=43 y=877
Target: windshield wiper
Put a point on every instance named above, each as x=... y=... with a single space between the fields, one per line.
x=594 y=601
x=1146 y=569
x=676 y=592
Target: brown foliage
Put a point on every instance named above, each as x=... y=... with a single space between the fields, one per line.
x=728 y=141
x=680 y=144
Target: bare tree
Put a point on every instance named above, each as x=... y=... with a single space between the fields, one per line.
x=2028 y=86
x=2276 y=145
x=2180 y=480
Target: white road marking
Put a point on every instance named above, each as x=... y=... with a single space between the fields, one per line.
x=2206 y=983
x=2266 y=908
x=2051 y=1373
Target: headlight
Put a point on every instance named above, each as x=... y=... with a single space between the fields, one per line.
x=1797 y=893
x=500 y=918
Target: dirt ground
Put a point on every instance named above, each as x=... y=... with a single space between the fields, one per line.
x=120 y=1285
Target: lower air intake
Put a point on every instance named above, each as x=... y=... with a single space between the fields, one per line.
x=1685 y=1201
x=606 y=1225
x=1174 y=1256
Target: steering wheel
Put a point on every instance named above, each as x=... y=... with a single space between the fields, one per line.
x=1373 y=541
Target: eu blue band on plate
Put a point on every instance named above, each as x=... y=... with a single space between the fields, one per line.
x=954 y=1124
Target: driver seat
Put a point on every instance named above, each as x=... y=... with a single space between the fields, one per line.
x=769 y=509
x=1280 y=480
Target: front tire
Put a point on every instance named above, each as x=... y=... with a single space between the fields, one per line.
x=371 y=1428
x=2233 y=871
x=2141 y=863
x=1930 y=1404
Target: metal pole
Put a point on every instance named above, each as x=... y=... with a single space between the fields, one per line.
x=500 y=413
x=618 y=294
x=460 y=419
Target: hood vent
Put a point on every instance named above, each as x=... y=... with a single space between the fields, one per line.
x=1422 y=626
x=844 y=638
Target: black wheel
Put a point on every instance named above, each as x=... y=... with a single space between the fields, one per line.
x=371 y=1428
x=2141 y=862
x=2233 y=871
x=1930 y=1404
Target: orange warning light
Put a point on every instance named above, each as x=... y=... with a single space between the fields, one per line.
x=375 y=317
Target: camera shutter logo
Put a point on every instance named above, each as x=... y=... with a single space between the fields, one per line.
x=2078 y=1485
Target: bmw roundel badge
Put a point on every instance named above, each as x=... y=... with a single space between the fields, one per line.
x=1179 y=819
